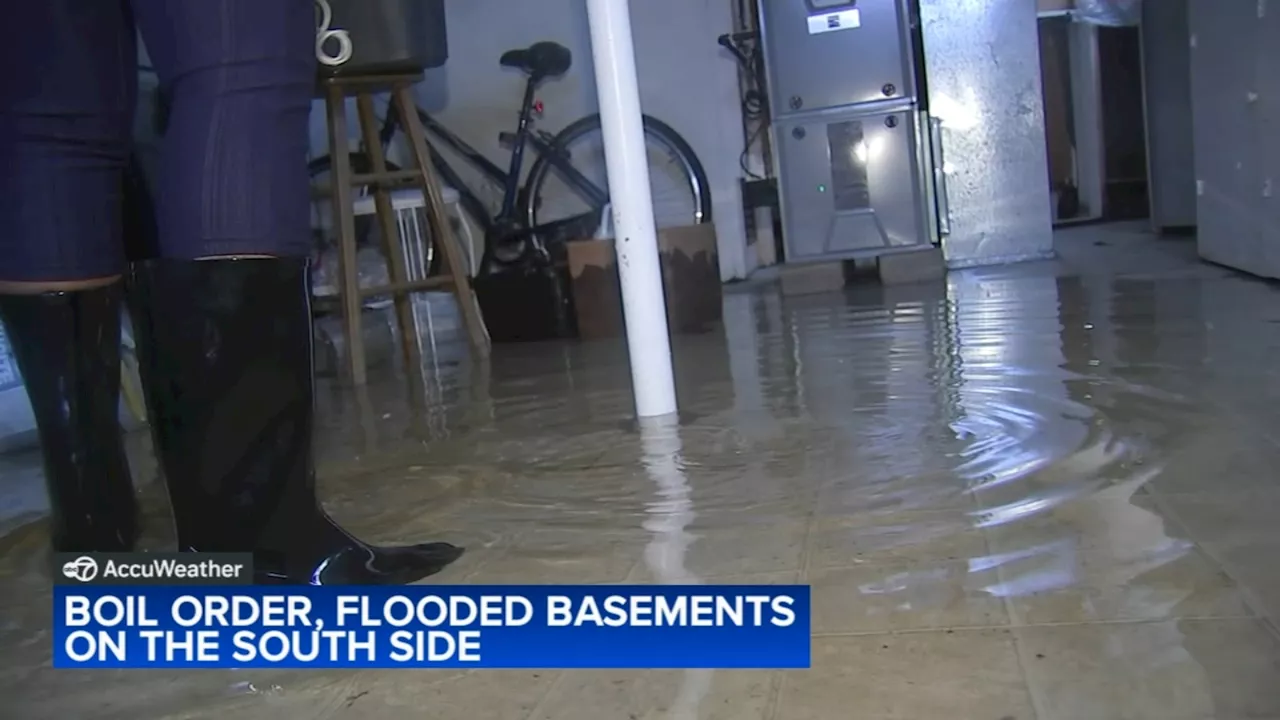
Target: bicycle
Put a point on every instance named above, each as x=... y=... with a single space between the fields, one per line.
x=520 y=230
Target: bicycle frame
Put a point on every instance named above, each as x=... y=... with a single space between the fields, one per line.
x=509 y=179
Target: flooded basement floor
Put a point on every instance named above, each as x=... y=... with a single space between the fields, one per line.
x=1037 y=492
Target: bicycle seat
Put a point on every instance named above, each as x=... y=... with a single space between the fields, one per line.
x=540 y=60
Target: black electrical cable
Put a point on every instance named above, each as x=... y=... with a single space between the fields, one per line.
x=746 y=151
x=754 y=102
x=755 y=106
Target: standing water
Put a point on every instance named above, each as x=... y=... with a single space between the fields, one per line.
x=1042 y=491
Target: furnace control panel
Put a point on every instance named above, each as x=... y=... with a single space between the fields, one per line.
x=823 y=54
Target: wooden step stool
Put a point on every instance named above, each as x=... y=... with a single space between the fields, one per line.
x=336 y=88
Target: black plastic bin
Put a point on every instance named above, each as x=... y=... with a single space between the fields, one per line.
x=527 y=306
x=390 y=35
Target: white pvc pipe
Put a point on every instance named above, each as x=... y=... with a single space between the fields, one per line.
x=635 y=236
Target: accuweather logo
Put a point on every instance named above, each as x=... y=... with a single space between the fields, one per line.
x=83 y=568
x=147 y=568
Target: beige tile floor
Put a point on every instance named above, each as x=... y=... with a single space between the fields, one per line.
x=1041 y=492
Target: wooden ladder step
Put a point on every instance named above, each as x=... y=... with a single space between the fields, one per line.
x=391 y=180
x=390 y=176
x=380 y=182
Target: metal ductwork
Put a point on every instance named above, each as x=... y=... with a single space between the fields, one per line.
x=1114 y=13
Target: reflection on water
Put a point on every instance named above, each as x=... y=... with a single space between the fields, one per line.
x=672 y=510
x=669 y=515
x=1020 y=450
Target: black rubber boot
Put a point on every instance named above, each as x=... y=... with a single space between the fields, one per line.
x=225 y=350
x=67 y=345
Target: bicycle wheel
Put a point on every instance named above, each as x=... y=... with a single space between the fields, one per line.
x=361 y=164
x=678 y=182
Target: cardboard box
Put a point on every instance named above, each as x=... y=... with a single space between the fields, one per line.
x=690 y=276
x=813 y=278
x=912 y=267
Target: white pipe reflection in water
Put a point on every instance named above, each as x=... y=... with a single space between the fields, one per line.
x=672 y=512
x=669 y=515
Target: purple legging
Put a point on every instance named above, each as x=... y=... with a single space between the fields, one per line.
x=232 y=174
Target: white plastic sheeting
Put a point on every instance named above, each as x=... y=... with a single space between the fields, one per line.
x=1115 y=13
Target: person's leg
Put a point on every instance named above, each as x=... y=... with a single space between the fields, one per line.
x=66 y=110
x=225 y=329
x=141 y=241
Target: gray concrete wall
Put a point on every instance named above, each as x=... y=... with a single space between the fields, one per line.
x=1235 y=93
x=1166 y=77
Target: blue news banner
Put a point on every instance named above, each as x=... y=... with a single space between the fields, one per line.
x=511 y=626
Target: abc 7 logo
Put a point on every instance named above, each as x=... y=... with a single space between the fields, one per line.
x=83 y=568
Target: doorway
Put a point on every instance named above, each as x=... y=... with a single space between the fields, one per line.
x=1095 y=134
